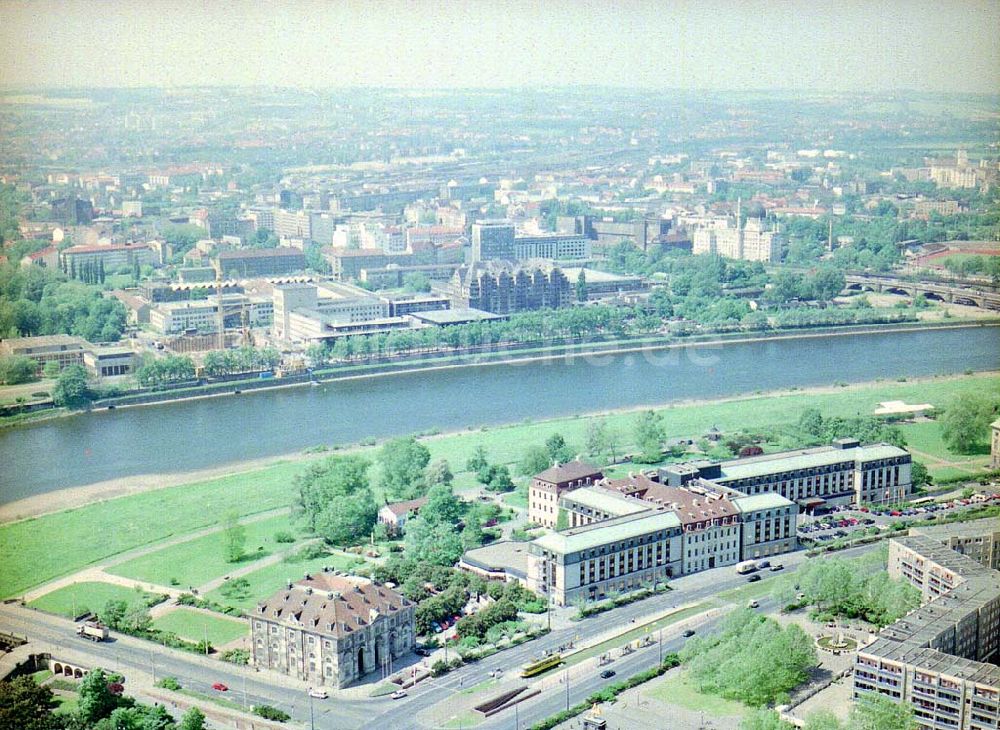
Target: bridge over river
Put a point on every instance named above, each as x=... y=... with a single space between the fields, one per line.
x=932 y=290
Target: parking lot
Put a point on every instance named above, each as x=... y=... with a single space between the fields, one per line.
x=844 y=521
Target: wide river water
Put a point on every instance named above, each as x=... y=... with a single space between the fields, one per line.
x=211 y=432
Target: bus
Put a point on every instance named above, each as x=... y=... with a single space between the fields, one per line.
x=747 y=566
x=530 y=670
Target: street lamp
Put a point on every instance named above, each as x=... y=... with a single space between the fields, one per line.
x=312 y=724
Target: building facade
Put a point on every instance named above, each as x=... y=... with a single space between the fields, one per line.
x=503 y=288
x=557 y=246
x=330 y=630
x=492 y=240
x=625 y=534
x=62 y=349
x=752 y=242
x=940 y=658
x=844 y=473
x=548 y=486
x=260 y=262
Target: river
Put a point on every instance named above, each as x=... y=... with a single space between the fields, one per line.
x=212 y=432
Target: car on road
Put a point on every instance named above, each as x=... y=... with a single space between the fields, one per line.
x=753 y=604
x=220 y=687
x=398 y=694
x=498 y=672
x=421 y=651
x=688 y=632
x=776 y=567
x=319 y=693
x=607 y=674
x=764 y=564
x=753 y=578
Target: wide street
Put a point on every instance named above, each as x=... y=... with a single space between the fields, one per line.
x=139 y=660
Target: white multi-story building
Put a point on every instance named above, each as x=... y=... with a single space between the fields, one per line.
x=170 y=318
x=624 y=534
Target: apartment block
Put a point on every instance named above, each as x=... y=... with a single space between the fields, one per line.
x=941 y=658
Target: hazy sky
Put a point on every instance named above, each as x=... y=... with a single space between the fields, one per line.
x=848 y=45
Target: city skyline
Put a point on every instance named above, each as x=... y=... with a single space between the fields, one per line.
x=855 y=47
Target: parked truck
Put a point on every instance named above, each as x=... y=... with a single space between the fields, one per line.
x=747 y=566
x=93 y=630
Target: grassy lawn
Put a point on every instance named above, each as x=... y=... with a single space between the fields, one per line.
x=213 y=698
x=267 y=580
x=927 y=437
x=47 y=547
x=67 y=704
x=195 y=625
x=41 y=676
x=198 y=561
x=518 y=498
x=677 y=690
x=88 y=596
x=468 y=718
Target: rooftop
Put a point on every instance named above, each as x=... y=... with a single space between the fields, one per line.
x=569 y=472
x=401 y=509
x=456 y=315
x=606 y=500
x=756 y=502
x=602 y=533
x=331 y=604
x=511 y=557
x=756 y=466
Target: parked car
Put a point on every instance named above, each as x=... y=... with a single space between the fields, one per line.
x=764 y=564
x=398 y=694
x=219 y=686
x=753 y=604
x=688 y=632
x=607 y=674
x=776 y=567
x=753 y=578
x=319 y=693
x=421 y=651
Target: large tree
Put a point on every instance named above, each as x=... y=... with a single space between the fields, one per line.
x=442 y=505
x=26 y=705
x=97 y=701
x=403 y=461
x=193 y=719
x=966 y=421
x=877 y=712
x=649 y=436
x=335 y=501
x=72 y=388
x=432 y=543
x=234 y=539
x=534 y=460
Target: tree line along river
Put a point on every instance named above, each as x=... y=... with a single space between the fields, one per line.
x=197 y=434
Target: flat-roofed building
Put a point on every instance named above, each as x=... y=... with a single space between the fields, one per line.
x=625 y=534
x=548 y=486
x=330 y=630
x=260 y=262
x=935 y=658
x=301 y=314
x=844 y=473
x=110 y=361
x=979 y=539
x=347 y=263
x=74 y=261
x=557 y=246
x=620 y=554
x=62 y=349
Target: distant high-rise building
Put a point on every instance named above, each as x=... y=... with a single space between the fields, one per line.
x=492 y=240
x=749 y=242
